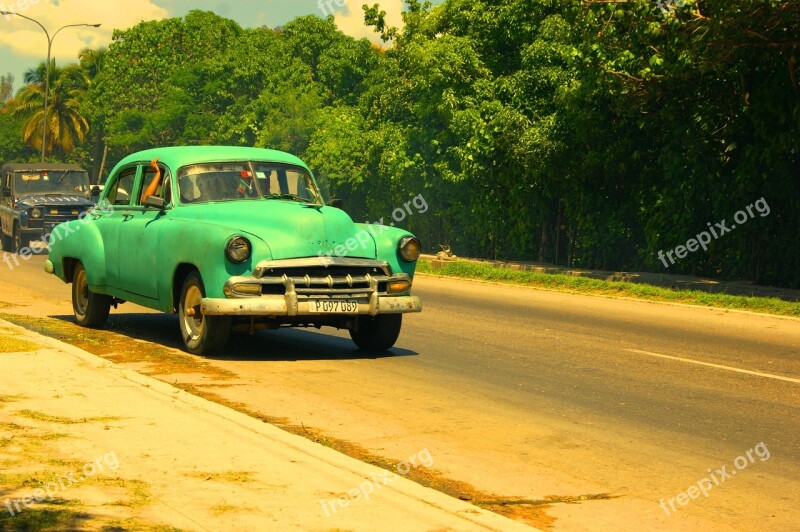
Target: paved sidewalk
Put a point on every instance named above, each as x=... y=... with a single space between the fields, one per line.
x=86 y=444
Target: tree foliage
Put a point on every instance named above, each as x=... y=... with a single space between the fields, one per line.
x=588 y=133
x=6 y=88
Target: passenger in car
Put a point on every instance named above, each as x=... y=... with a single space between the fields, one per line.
x=152 y=188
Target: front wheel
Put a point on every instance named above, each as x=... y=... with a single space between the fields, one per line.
x=5 y=240
x=91 y=310
x=202 y=335
x=377 y=333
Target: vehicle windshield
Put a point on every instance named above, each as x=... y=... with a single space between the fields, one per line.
x=206 y=182
x=53 y=182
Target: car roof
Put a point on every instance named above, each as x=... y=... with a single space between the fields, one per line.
x=178 y=156
x=38 y=167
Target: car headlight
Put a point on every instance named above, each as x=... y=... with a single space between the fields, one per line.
x=410 y=248
x=238 y=249
x=36 y=213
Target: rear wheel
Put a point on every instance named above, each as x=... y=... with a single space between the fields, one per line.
x=377 y=333
x=202 y=335
x=91 y=310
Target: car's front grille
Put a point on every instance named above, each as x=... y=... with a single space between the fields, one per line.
x=58 y=219
x=322 y=271
x=333 y=281
x=51 y=221
x=343 y=277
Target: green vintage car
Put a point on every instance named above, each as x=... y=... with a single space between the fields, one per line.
x=233 y=239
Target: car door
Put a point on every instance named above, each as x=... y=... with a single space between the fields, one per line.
x=119 y=196
x=138 y=240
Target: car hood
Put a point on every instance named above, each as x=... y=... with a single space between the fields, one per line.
x=47 y=200
x=291 y=229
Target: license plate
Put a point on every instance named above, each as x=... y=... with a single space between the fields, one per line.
x=334 y=306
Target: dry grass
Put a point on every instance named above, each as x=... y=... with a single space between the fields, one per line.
x=47 y=418
x=228 y=476
x=9 y=344
x=222 y=509
x=120 y=348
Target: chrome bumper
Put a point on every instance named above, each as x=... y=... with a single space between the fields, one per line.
x=290 y=306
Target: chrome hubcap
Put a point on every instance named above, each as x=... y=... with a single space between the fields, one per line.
x=192 y=318
x=81 y=293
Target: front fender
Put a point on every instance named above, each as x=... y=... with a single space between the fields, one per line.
x=386 y=241
x=202 y=246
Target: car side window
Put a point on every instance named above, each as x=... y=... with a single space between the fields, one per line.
x=120 y=192
x=164 y=189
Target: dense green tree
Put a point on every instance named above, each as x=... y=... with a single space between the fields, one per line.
x=12 y=147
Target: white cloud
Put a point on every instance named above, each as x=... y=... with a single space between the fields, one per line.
x=27 y=40
x=350 y=17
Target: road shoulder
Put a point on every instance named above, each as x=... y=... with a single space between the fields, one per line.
x=97 y=443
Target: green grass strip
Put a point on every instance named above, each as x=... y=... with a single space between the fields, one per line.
x=586 y=285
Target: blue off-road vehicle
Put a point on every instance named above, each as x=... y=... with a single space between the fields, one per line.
x=37 y=197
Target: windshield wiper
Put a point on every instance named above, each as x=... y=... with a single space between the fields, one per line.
x=293 y=197
x=60 y=179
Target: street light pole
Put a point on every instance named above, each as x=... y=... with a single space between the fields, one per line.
x=47 y=68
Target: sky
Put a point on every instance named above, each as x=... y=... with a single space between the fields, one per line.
x=23 y=44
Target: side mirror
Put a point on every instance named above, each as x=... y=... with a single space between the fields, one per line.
x=155 y=202
x=6 y=193
x=95 y=192
x=335 y=203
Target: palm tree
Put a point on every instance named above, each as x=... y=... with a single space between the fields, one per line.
x=92 y=61
x=66 y=126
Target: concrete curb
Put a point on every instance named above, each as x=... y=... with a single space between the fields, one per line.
x=470 y=514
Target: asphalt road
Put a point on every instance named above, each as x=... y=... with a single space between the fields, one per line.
x=530 y=393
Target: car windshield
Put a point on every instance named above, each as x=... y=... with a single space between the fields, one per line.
x=53 y=182
x=206 y=182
